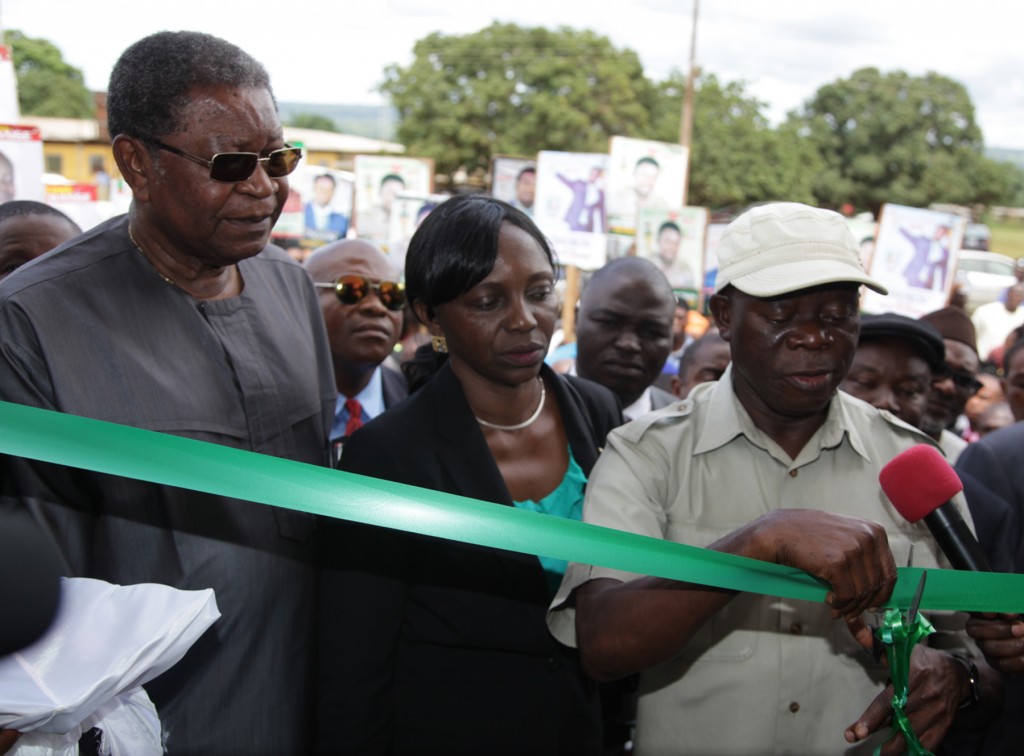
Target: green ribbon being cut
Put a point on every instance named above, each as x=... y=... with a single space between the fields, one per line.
x=186 y=463
x=900 y=632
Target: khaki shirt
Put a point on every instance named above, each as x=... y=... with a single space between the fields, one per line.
x=764 y=675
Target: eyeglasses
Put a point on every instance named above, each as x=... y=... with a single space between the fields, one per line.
x=352 y=289
x=964 y=380
x=233 y=167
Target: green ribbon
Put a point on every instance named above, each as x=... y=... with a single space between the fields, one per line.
x=900 y=635
x=169 y=460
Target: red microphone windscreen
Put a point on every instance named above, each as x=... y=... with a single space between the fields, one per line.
x=918 y=481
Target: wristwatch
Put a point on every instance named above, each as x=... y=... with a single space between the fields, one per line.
x=971 y=670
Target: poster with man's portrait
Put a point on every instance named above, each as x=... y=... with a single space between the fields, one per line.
x=674 y=241
x=407 y=213
x=21 y=163
x=570 y=206
x=914 y=257
x=514 y=180
x=643 y=174
x=379 y=180
x=318 y=209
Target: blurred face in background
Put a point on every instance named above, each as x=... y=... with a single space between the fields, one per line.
x=991 y=391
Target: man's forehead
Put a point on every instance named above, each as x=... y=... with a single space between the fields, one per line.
x=630 y=313
x=352 y=256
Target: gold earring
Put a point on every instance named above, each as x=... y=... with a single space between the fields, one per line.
x=439 y=344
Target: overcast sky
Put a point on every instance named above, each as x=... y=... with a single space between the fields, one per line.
x=335 y=52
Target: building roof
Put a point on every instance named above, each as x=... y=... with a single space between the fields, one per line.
x=331 y=141
x=88 y=130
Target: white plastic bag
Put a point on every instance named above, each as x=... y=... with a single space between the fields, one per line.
x=105 y=641
x=129 y=725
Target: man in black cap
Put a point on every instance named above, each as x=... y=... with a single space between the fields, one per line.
x=893 y=367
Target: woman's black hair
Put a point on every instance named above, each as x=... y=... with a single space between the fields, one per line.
x=456 y=246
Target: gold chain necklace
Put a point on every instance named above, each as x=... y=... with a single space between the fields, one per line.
x=139 y=247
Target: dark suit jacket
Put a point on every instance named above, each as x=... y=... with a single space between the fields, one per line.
x=992 y=470
x=393 y=386
x=432 y=646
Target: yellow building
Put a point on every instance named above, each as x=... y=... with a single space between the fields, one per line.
x=77 y=148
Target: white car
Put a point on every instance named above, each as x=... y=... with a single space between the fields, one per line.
x=986 y=275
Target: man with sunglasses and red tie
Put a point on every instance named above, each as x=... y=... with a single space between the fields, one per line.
x=180 y=317
x=362 y=300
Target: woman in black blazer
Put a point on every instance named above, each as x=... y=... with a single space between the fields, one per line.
x=432 y=646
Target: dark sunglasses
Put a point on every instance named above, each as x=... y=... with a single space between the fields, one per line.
x=962 y=379
x=352 y=289
x=233 y=167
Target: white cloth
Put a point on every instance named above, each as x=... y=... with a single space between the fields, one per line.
x=129 y=726
x=105 y=642
x=992 y=324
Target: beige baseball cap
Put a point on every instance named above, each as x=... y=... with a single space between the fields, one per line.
x=784 y=247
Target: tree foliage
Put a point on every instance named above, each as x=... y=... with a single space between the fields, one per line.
x=47 y=84
x=513 y=90
x=893 y=137
x=736 y=158
x=313 y=121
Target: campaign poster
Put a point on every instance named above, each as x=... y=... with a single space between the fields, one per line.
x=21 y=163
x=9 y=111
x=379 y=180
x=915 y=258
x=514 y=180
x=643 y=174
x=673 y=239
x=407 y=213
x=318 y=209
x=570 y=206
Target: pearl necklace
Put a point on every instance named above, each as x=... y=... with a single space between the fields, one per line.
x=139 y=247
x=519 y=426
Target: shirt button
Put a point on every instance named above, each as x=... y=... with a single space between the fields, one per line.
x=552 y=664
x=794 y=707
x=796 y=628
x=793 y=473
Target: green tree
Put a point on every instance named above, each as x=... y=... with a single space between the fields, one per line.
x=736 y=157
x=893 y=137
x=513 y=90
x=47 y=85
x=313 y=121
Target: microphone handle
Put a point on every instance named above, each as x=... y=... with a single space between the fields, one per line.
x=956 y=540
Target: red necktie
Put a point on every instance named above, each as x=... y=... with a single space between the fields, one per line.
x=355 y=416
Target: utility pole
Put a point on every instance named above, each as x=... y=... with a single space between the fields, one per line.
x=686 y=125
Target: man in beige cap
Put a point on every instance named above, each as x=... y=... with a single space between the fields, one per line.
x=769 y=462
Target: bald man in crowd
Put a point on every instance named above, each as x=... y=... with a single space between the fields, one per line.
x=624 y=332
x=361 y=298
x=704 y=360
x=28 y=229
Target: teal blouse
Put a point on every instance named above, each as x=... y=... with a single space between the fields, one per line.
x=565 y=501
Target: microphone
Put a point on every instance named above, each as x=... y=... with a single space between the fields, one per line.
x=920 y=483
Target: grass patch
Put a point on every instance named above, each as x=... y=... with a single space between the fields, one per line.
x=1008 y=238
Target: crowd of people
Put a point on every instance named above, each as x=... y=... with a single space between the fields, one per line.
x=764 y=437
